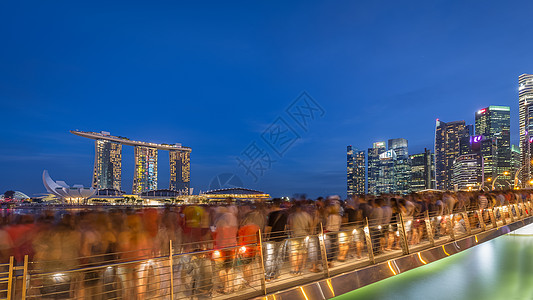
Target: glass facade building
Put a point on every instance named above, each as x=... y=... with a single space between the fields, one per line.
x=515 y=160
x=486 y=149
x=374 y=166
x=525 y=109
x=401 y=175
x=389 y=171
x=180 y=170
x=466 y=173
x=447 y=149
x=356 y=171
x=107 y=165
x=145 y=174
x=494 y=122
x=422 y=171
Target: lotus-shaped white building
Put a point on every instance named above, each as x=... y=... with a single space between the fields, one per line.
x=75 y=194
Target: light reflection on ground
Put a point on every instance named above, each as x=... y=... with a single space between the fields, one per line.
x=498 y=269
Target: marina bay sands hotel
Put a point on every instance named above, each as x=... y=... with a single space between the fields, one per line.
x=108 y=163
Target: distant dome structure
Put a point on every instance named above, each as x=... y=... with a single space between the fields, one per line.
x=17 y=197
x=76 y=193
x=241 y=194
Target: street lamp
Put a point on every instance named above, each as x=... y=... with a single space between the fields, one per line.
x=488 y=179
x=505 y=173
x=516 y=175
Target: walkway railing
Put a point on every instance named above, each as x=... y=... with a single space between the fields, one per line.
x=257 y=268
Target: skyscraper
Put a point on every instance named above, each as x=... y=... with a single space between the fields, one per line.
x=385 y=180
x=145 y=175
x=422 y=171
x=389 y=170
x=515 y=160
x=107 y=165
x=494 y=122
x=483 y=148
x=402 y=170
x=180 y=170
x=374 y=166
x=525 y=106
x=356 y=171
x=447 y=149
x=466 y=172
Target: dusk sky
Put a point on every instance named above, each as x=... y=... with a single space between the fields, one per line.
x=215 y=75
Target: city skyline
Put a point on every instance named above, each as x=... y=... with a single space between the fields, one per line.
x=216 y=86
x=467 y=157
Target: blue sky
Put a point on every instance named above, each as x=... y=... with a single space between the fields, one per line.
x=213 y=76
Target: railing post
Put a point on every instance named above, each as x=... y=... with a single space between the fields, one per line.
x=482 y=224
x=403 y=235
x=263 y=279
x=449 y=224
x=502 y=215
x=369 y=246
x=518 y=213
x=25 y=277
x=322 y=241
x=429 y=229
x=171 y=262
x=10 y=279
x=467 y=222
x=510 y=209
x=493 y=218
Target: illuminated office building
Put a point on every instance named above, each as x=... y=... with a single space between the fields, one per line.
x=525 y=98
x=515 y=160
x=374 y=166
x=145 y=174
x=422 y=171
x=486 y=150
x=494 y=122
x=402 y=169
x=385 y=180
x=107 y=165
x=447 y=149
x=525 y=109
x=356 y=171
x=389 y=171
x=180 y=170
x=466 y=173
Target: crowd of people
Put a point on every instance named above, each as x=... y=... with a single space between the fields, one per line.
x=228 y=235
